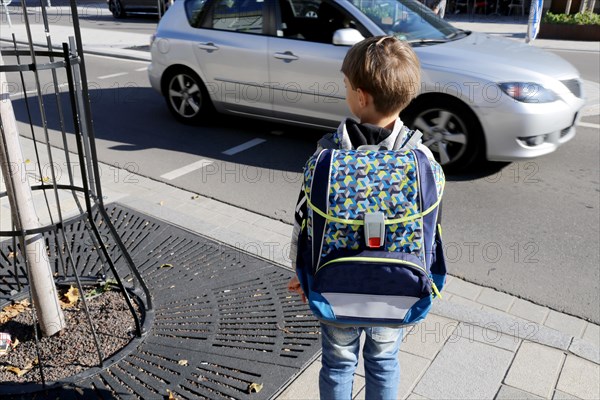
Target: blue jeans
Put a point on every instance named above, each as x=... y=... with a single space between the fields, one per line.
x=340 y=359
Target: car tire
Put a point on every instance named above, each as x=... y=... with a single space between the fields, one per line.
x=186 y=96
x=450 y=130
x=116 y=7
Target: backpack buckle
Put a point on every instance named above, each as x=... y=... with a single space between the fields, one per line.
x=374 y=229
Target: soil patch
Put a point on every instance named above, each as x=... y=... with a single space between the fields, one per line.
x=74 y=350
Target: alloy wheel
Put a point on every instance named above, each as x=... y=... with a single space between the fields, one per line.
x=185 y=96
x=444 y=132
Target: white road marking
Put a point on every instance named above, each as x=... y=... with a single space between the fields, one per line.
x=112 y=75
x=243 y=146
x=141 y=69
x=588 y=125
x=186 y=169
x=33 y=92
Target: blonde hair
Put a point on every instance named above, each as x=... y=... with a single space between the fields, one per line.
x=386 y=68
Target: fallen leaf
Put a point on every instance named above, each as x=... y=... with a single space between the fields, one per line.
x=171 y=396
x=71 y=297
x=166 y=266
x=183 y=362
x=255 y=387
x=15 y=343
x=45 y=179
x=11 y=311
x=161 y=203
x=283 y=329
x=22 y=371
x=18 y=371
x=79 y=390
x=27 y=161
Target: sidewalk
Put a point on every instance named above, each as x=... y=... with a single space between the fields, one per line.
x=478 y=343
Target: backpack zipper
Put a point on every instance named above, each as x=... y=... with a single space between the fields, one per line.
x=382 y=260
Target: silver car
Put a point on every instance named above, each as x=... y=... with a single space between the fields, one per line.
x=280 y=60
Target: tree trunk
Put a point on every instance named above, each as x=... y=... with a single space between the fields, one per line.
x=568 y=7
x=20 y=197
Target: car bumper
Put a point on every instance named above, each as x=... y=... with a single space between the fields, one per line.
x=154 y=75
x=516 y=131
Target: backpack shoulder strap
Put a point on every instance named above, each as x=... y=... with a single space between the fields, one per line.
x=407 y=139
x=326 y=142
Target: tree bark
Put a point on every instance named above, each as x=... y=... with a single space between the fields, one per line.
x=20 y=197
x=568 y=7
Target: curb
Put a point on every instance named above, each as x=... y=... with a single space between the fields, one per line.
x=127 y=54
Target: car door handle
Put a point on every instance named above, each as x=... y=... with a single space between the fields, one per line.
x=287 y=56
x=207 y=46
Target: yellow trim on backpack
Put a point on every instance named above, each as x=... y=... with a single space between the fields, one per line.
x=361 y=222
x=440 y=229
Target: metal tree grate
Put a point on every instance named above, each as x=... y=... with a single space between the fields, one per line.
x=223 y=319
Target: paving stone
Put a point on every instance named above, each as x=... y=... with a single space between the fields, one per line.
x=535 y=369
x=465 y=302
x=306 y=385
x=274 y=225
x=414 y=396
x=507 y=324
x=529 y=311
x=585 y=349
x=465 y=370
x=592 y=334
x=558 y=395
x=412 y=369
x=495 y=299
x=490 y=335
x=511 y=393
x=463 y=289
x=427 y=338
x=565 y=323
x=580 y=378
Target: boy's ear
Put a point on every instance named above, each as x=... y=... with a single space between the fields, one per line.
x=363 y=97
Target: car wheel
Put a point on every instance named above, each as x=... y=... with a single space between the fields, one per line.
x=186 y=96
x=117 y=9
x=450 y=130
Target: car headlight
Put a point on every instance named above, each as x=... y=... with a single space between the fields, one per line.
x=528 y=92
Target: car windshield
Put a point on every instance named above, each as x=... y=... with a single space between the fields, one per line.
x=408 y=20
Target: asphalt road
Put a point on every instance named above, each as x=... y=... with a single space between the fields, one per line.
x=530 y=229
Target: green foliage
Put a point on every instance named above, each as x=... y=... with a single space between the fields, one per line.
x=102 y=288
x=584 y=18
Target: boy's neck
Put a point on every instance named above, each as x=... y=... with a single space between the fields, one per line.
x=386 y=122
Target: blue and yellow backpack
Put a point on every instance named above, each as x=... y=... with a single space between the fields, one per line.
x=370 y=250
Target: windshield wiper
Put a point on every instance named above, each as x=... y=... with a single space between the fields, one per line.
x=426 y=41
x=458 y=32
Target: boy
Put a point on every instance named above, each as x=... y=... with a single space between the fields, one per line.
x=381 y=75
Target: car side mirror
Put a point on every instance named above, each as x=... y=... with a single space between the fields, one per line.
x=347 y=37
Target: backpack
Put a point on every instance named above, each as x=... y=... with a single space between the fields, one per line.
x=370 y=250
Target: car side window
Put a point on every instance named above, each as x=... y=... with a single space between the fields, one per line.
x=238 y=15
x=230 y=15
x=313 y=20
x=195 y=11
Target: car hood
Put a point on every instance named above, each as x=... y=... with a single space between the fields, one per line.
x=497 y=59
